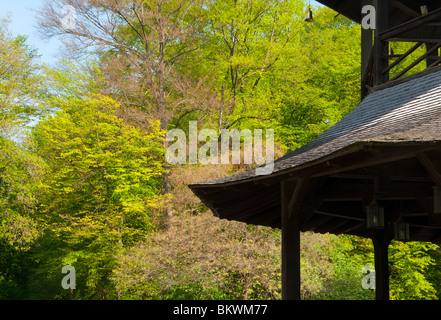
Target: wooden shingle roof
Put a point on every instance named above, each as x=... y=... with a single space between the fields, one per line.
x=406 y=112
x=388 y=147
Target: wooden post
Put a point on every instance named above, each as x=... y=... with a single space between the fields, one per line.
x=381 y=47
x=290 y=242
x=366 y=50
x=381 y=242
x=432 y=56
x=366 y=44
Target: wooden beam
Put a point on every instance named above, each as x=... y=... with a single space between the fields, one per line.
x=290 y=241
x=255 y=196
x=402 y=7
x=269 y=217
x=352 y=176
x=393 y=190
x=414 y=63
x=362 y=158
x=347 y=227
x=369 y=161
x=435 y=62
x=335 y=226
x=366 y=45
x=316 y=222
x=309 y=201
x=296 y=196
x=410 y=25
x=404 y=55
x=366 y=49
x=381 y=46
x=411 y=39
x=339 y=215
x=432 y=169
x=351 y=226
x=432 y=57
x=244 y=213
x=402 y=80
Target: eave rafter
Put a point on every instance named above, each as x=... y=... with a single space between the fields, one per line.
x=430 y=164
x=404 y=186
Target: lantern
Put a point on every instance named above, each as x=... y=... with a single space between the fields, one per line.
x=401 y=231
x=374 y=216
x=308 y=17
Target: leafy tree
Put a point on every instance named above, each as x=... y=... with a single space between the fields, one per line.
x=19 y=169
x=19 y=178
x=90 y=175
x=348 y=255
x=99 y=189
x=409 y=276
x=20 y=82
x=324 y=87
x=246 y=44
x=410 y=265
x=138 y=42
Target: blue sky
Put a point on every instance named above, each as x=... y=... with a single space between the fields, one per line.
x=24 y=21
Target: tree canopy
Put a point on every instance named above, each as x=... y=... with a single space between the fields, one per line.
x=83 y=176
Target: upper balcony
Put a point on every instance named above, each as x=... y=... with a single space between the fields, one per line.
x=417 y=23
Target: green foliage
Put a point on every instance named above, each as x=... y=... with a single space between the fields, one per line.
x=98 y=167
x=19 y=169
x=196 y=291
x=271 y=70
x=19 y=177
x=20 y=82
x=401 y=48
x=99 y=188
x=245 y=48
x=14 y=272
x=322 y=86
x=348 y=255
x=86 y=188
x=434 y=271
x=411 y=266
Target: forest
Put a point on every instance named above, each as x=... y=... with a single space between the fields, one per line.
x=83 y=176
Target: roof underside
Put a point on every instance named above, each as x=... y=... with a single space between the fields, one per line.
x=390 y=144
x=400 y=11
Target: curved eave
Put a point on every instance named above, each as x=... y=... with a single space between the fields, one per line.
x=258 y=200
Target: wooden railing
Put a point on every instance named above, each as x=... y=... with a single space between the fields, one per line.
x=397 y=34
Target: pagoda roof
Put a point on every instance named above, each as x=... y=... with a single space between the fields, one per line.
x=409 y=112
x=396 y=124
